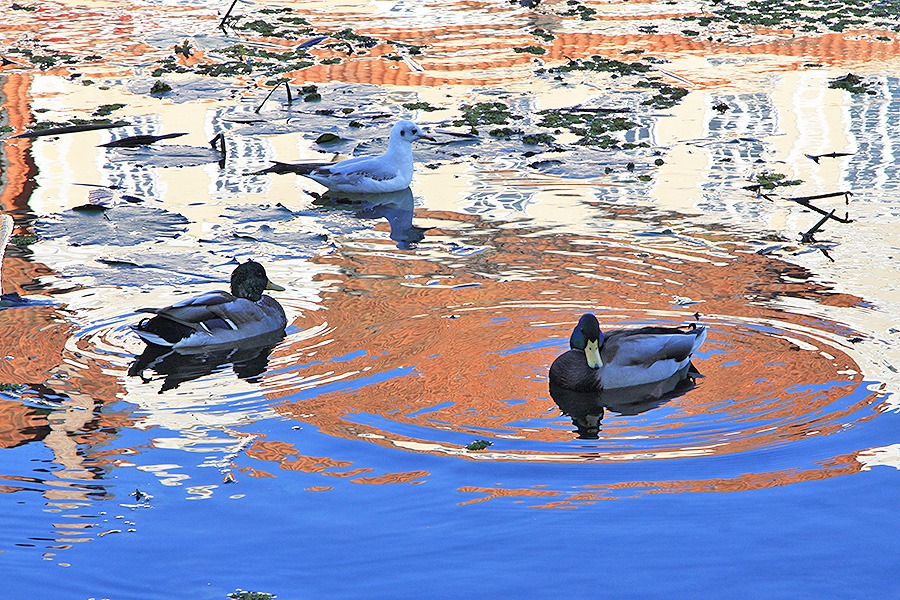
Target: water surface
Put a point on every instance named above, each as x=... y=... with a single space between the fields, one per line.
x=338 y=461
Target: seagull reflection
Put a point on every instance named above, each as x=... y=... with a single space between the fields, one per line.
x=248 y=361
x=586 y=409
x=395 y=207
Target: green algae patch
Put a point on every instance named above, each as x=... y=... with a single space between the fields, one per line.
x=769 y=180
x=422 y=106
x=485 y=113
x=853 y=84
x=478 y=445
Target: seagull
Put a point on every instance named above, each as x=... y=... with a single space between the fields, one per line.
x=390 y=172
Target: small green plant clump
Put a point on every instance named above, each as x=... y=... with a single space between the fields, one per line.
x=105 y=110
x=853 y=84
x=485 y=113
x=422 y=106
x=533 y=139
x=530 y=50
x=770 y=180
x=478 y=445
x=577 y=9
x=601 y=64
x=160 y=87
x=12 y=387
x=543 y=34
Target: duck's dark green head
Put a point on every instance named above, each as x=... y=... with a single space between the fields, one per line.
x=587 y=337
x=249 y=280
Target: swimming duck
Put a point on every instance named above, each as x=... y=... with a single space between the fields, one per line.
x=390 y=172
x=623 y=357
x=218 y=318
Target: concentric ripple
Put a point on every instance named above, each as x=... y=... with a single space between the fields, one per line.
x=481 y=373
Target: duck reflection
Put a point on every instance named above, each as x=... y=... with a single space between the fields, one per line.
x=395 y=207
x=586 y=409
x=248 y=361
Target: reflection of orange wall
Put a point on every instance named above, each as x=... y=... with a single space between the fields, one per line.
x=17 y=169
x=458 y=360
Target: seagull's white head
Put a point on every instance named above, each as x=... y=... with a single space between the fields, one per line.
x=407 y=131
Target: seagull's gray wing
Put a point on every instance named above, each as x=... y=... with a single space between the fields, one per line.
x=352 y=170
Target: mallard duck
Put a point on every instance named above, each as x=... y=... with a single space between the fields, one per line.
x=218 y=318
x=623 y=357
x=390 y=172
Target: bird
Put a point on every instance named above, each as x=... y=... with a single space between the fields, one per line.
x=389 y=172
x=623 y=357
x=219 y=318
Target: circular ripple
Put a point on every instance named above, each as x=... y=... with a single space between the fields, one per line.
x=437 y=381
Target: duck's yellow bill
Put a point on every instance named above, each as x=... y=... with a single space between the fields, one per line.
x=274 y=287
x=592 y=354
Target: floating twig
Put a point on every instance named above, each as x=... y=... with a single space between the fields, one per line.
x=227 y=14
x=134 y=141
x=69 y=129
x=218 y=143
x=815 y=157
x=807 y=204
x=846 y=196
x=807 y=238
x=313 y=41
x=287 y=86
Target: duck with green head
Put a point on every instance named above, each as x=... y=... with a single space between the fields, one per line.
x=218 y=318
x=623 y=357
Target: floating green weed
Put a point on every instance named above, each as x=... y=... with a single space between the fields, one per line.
x=853 y=84
x=485 y=113
x=804 y=16
x=592 y=127
x=530 y=50
x=160 y=87
x=479 y=445
x=504 y=132
x=577 y=9
x=533 y=139
x=422 y=106
x=770 y=180
x=24 y=239
x=106 y=109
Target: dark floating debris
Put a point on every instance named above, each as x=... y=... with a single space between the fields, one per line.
x=806 y=202
x=287 y=87
x=70 y=129
x=478 y=445
x=134 y=141
x=807 y=237
x=313 y=41
x=815 y=157
x=218 y=143
x=227 y=15
x=853 y=84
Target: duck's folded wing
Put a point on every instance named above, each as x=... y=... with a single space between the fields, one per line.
x=193 y=311
x=240 y=312
x=649 y=345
